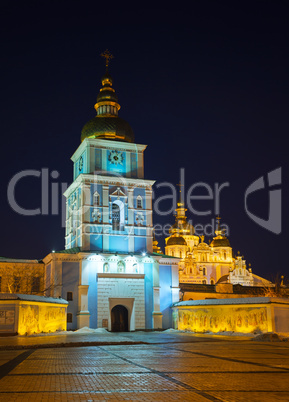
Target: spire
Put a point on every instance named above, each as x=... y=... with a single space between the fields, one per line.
x=156 y=248
x=107 y=124
x=107 y=102
x=218 y=232
x=181 y=226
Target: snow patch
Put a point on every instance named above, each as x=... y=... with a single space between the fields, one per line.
x=272 y=337
x=172 y=330
x=86 y=330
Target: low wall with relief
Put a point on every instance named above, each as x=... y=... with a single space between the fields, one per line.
x=238 y=315
x=22 y=317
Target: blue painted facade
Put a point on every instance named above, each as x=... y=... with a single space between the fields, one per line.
x=109 y=223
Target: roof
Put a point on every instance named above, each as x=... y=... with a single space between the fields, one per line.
x=73 y=250
x=18 y=261
x=223 y=279
x=43 y=299
x=241 y=300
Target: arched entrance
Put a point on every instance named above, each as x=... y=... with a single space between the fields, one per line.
x=119 y=319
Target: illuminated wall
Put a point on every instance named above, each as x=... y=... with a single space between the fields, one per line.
x=260 y=313
x=29 y=317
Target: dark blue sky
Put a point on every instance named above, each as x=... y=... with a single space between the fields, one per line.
x=205 y=86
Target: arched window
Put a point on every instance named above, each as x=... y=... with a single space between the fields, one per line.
x=105 y=267
x=204 y=282
x=212 y=282
x=173 y=253
x=203 y=257
x=135 y=267
x=120 y=267
x=225 y=255
x=118 y=215
x=204 y=271
x=115 y=217
x=96 y=198
x=191 y=270
x=139 y=202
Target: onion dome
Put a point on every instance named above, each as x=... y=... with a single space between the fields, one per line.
x=223 y=242
x=176 y=241
x=220 y=240
x=106 y=124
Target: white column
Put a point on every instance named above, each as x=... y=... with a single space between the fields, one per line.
x=157 y=315
x=83 y=313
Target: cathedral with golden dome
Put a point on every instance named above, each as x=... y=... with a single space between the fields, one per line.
x=112 y=273
x=207 y=263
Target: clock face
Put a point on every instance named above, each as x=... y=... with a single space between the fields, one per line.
x=80 y=166
x=115 y=157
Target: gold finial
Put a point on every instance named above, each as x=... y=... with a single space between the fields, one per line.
x=107 y=56
x=218 y=218
x=180 y=185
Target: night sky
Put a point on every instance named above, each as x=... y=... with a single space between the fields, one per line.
x=205 y=87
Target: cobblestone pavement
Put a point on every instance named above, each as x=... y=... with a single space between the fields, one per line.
x=200 y=369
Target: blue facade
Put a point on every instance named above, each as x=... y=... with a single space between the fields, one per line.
x=149 y=305
x=92 y=297
x=165 y=282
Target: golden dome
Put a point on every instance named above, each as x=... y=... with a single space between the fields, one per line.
x=176 y=241
x=106 y=124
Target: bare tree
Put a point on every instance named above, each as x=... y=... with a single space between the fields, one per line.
x=21 y=278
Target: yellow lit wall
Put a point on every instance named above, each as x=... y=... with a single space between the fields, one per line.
x=37 y=317
x=218 y=318
x=29 y=317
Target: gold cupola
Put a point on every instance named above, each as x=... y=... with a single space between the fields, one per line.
x=107 y=124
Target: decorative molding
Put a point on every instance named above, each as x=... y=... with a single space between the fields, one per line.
x=120 y=275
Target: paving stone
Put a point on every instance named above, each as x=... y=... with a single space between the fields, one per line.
x=200 y=371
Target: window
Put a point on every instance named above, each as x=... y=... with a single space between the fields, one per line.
x=212 y=282
x=16 y=284
x=69 y=317
x=115 y=217
x=96 y=198
x=139 y=202
x=204 y=282
x=135 y=267
x=35 y=286
x=0 y=282
x=69 y=296
x=204 y=271
x=120 y=267
x=225 y=256
x=105 y=267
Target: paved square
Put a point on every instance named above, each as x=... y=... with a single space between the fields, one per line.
x=183 y=368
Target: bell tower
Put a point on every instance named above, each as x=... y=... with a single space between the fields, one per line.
x=109 y=203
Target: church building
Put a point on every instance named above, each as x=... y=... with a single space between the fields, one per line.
x=108 y=271
x=112 y=272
